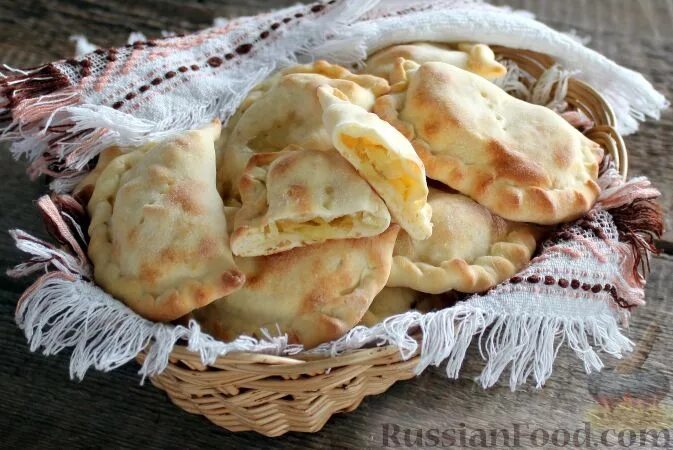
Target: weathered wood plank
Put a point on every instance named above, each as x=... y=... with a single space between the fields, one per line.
x=633 y=33
x=42 y=408
x=113 y=410
x=637 y=35
x=37 y=31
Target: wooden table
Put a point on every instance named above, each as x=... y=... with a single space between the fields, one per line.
x=42 y=408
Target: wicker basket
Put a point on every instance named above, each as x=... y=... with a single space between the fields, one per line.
x=273 y=395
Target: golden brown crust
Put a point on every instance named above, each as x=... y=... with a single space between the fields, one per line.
x=84 y=189
x=314 y=293
x=470 y=250
x=389 y=302
x=477 y=58
x=285 y=111
x=522 y=161
x=158 y=230
x=382 y=156
x=378 y=85
x=302 y=197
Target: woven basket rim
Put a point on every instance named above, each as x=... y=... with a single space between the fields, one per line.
x=302 y=362
x=581 y=95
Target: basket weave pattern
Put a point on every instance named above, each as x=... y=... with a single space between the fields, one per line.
x=273 y=395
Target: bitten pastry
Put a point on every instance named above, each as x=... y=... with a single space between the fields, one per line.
x=470 y=249
x=314 y=293
x=383 y=157
x=284 y=111
x=158 y=229
x=476 y=58
x=299 y=197
x=521 y=161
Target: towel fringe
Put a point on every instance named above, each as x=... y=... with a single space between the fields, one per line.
x=63 y=311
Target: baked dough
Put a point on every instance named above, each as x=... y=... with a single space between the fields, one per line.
x=158 y=229
x=470 y=249
x=314 y=294
x=476 y=58
x=522 y=161
x=84 y=189
x=398 y=300
x=285 y=110
x=383 y=157
x=299 y=197
x=389 y=302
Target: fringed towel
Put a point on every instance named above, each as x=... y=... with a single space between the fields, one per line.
x=586 y=279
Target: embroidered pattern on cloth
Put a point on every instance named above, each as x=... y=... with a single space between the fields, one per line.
x=583 y=283
x=586 y=279
x=62 y=114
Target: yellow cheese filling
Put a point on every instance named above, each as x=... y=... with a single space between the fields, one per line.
x=319 y=228
x=378 y=166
